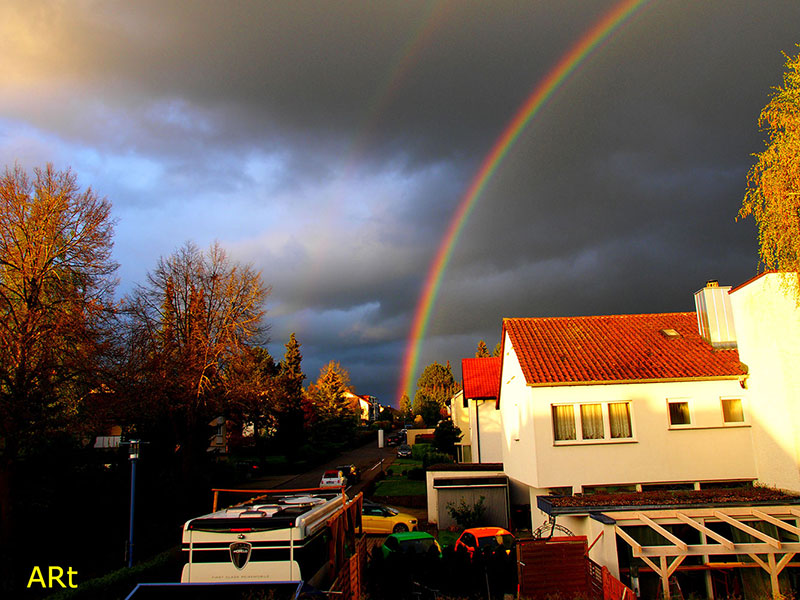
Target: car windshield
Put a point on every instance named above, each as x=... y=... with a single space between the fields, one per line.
x=331 y=474
x=420 y=546
x=493 y=541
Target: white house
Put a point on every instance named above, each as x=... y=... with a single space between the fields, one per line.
x=661 y=402
x=621 y=401
x=361 y=405
x=459 y=413
x=481 y=377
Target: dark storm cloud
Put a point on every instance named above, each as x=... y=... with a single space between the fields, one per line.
x=329 y=143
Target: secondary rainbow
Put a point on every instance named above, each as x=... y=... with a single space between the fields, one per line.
x=597 y=34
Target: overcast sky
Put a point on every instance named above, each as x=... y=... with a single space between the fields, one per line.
x=329 y=144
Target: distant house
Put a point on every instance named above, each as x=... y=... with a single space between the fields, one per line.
x=361 y=405
x=483 y=436
x=459 y=413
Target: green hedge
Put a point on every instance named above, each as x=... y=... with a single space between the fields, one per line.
x=163 y=568
x=418 y=451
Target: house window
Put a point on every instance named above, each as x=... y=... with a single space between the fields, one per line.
x=732 y=410
x=599 y=421
x=563 y=422
x=592 y=422
x=679 y=413
x=619 y=417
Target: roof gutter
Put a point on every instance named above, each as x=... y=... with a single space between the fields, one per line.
x=629 y=381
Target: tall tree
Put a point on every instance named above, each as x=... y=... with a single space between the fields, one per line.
x=291 y=370
x=435 y=384
x=193 y=322
x=289 y=408
x=335 y=417
x=254 y=390
x=329 y=392
x=446 y=436
x=56 y=287
x=406 y=411
x=482 y=351
x=498 y=350
x=773 y=182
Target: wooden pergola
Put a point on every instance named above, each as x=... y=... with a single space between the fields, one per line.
x=766 y=551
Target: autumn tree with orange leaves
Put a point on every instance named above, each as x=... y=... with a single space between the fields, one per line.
x=56 y=292
x=196 y=320
x=773 y=182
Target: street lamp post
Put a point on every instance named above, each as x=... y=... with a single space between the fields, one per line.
x=133 y=454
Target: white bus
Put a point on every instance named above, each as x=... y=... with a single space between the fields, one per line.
x=281 y=536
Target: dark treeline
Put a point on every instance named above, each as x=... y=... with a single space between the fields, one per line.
x=186 y=347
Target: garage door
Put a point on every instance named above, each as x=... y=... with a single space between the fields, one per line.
x=495 y=501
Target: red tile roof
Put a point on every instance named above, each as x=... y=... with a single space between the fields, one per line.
x=616 y=348
x=481 y=377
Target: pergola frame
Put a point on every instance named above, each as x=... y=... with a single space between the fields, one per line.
x=777 y=553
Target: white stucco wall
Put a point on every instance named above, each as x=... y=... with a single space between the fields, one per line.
x=768 y=330
x=485 y=418
x=707 y=450
x=460 y=416
x=518 y=455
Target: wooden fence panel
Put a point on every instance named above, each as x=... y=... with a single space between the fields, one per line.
x=614 y=589
x=554 y=566
x=349 y=580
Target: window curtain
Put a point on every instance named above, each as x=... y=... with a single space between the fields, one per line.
x=679 y=413
x=732 y=411
x=563 y=422
x=619 y=415
x=592 y=421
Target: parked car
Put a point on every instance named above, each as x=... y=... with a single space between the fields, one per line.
x=416 y=543
x=484 y=539
x=376 y=518
x=332 y=478
x=393 y=439
x=351 y=473
x=247 y=467
x=404 y=451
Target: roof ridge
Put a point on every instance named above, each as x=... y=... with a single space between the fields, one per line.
x=624 y=315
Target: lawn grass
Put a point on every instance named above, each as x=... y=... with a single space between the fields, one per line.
x=401 y=464
x=399 y=486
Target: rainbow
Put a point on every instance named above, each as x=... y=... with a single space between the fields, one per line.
x=544 y=90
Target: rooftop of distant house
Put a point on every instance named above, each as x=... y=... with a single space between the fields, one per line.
x=481 y=377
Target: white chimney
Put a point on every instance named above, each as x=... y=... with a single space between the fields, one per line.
x=714 y=315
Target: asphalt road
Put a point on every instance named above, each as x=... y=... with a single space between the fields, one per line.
x=367 y=458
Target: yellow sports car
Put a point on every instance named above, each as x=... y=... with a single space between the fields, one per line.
x=376 y=518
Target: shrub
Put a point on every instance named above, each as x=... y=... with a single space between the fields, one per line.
x=416 y=474
x=418 y=451
x=465 y=515
x=435 y=458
